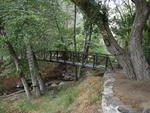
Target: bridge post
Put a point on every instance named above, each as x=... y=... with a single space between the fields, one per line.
x=73 y=54
x=44 y=55
x=50 y=55
x=111 y=64
x=57 y=55
x=82 y=60
x=96 y=59
x=93 y=61
x=106 y=62
x=64 y=55
x=78 y=59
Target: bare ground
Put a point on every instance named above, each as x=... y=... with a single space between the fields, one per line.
x=88 y=100
x=134 y=93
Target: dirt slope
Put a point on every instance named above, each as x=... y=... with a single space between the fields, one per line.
x=88 y=100
x=134 y=93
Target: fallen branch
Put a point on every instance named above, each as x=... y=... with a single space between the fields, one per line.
x=12 y=94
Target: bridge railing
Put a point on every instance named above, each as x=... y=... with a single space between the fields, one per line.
x=93 y=59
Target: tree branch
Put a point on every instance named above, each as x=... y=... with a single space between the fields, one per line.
x=138 y=1
x=97 y=14
x=135 y=1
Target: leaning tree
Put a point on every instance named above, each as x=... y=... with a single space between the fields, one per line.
x=131 y=58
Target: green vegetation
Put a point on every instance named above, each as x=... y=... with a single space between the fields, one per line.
x=2 y=107
x=67 y=95
x=30 y=27
x=59 y=101
x=94 y=99
x=84 y=93
x=25 y=104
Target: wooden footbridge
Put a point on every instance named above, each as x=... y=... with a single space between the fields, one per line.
x=91 y=60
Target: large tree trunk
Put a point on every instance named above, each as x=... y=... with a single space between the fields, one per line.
x=120 y=54
x=33 y=71
x=21 y=75
x=138 y=58
x=133 y=60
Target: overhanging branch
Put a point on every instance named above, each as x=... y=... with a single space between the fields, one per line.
x=135 y=1
x=97 y=13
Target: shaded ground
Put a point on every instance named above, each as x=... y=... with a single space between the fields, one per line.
x=9 y=82
x=134 y=93
x=50 y=71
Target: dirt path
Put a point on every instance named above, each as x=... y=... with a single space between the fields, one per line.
x=88 y=100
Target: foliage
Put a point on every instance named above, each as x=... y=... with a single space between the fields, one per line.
x=42 y=22
x=122 y=22
x=146 y=40
x=62 y=98
x=9 y=68
x=33 y=21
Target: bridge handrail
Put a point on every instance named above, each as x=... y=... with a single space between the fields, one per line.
x=94 y=59
x=91 y=53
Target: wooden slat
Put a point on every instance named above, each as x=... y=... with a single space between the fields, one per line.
x=95 y=60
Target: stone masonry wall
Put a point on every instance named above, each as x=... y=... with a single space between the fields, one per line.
x=110 y=103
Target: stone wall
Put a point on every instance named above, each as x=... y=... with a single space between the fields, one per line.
x=110 y=103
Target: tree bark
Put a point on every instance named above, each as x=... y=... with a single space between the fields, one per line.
x=33 y=71
x=21 y=75
x=74 y=39
x=41 y=83
x=26 y=86
x=132 y=59
x=140 y=65
x=120 y=54
x=88 y=37
x=39 y=78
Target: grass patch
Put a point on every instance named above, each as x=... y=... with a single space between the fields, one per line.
x=49 y=103
x=67 y=95
x=2 y=107
x=94 y=99
x=95 y=71
x=24 y=104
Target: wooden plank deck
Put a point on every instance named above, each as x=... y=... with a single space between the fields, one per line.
x=75 y=63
